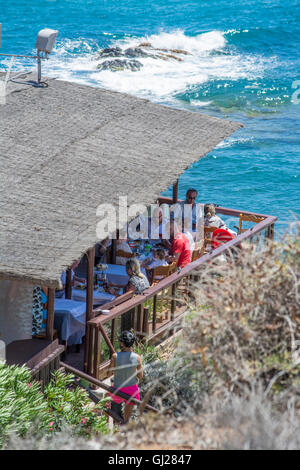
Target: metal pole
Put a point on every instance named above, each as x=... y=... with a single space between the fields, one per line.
x=39 y=68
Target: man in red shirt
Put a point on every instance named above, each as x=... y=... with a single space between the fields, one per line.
x=180 y=248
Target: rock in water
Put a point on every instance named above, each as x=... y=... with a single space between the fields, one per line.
x=117 y=65
x=135 y=52
x=111 y=52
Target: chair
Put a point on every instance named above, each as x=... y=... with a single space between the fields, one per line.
x=197 y=254
x=160 y=272
x=125 y=254
x=221 y=236
x=208 y=231
x=248 y=218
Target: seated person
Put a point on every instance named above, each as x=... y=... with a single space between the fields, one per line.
x=101 y=251
x=210 y=217
x=137 y=281
x=59 y=293
x=196 y=208
x=213 y=220
x=159 y=260
x=122 y=245
x=180 y=252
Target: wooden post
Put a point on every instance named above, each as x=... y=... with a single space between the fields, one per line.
x=89 y=306
x=145 y=321
x=105 y=336
x=86 y=347
x=113 y=251
x=270 y=232
x=139 y=318
x=68 y=287
x=112 y=333
x=175 y=192
x=50 y=315
x=173 y=301
x=97 y=354
x=154 y=314
x=114 y=248
x=90 y=283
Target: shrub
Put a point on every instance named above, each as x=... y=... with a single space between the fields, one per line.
x=248 y=325
x=25 y=408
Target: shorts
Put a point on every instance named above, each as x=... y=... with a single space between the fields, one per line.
x=132 y=390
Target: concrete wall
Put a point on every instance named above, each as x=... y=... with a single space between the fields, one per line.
x=16 y=300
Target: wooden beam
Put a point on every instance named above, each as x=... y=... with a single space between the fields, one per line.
x=175 y=192
x=105 y=336
x=154 y=313
x=90 y=283
x=102 y=385
x=145 y=321
x=50 y=314
x=114 y=248
x=68 y=287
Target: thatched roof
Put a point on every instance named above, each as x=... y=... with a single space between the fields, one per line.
x=67 y=148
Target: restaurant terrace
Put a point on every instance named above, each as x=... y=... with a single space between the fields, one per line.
x=65 y=149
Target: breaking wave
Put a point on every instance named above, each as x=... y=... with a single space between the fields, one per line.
x=208 y=57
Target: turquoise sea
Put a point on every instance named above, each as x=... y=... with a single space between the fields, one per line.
x=242 y=64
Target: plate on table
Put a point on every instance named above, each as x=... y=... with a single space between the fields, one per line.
x=81 y=286
x=102 y=267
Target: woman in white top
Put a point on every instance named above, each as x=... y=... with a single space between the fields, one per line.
x=210 y=217
x=213 y=220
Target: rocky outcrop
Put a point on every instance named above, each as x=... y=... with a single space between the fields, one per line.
x=118 y=65
x=111 y=52
x=135 y=52
x=126 y=59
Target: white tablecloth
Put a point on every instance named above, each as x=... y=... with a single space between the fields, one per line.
x=99 y=298
x=116 y=274
x=69 y=320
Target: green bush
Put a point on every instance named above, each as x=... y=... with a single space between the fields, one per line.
x=24 y=407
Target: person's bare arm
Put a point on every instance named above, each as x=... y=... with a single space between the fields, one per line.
x=129 y=288
x=173 y=258
x=139 y=369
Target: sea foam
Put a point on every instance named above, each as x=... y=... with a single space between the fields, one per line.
x=209 y=57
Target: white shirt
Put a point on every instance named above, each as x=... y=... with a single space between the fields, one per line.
x=157 y=262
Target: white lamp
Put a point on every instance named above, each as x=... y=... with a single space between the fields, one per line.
x=45 y=40
x=44 y=44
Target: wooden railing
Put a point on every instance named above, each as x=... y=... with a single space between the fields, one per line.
x=160 y=308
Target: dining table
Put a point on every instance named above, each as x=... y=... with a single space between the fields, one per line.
x=69 y=320
x=100 y=297
x=116 y=274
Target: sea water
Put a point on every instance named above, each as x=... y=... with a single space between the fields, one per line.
x=242 y=64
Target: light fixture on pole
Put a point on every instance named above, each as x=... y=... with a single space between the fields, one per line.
x=44 y=44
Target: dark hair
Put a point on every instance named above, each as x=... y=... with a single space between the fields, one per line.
x=127 y=338
x=161 y=253
x=191 y=190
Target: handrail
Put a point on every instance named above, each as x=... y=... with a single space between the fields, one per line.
x=174 y=278
x=220 y=209
x=100 y=384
